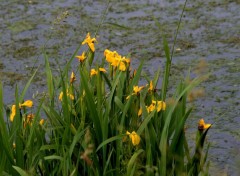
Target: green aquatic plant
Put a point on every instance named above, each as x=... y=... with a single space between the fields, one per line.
x=99 y=119
x=87 y=118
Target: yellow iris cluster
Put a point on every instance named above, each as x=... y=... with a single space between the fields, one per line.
x=116 y=60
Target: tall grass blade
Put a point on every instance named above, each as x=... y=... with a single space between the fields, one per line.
x=91 y=105
x=164 y=135
x=167 y=70
x=17 y=124
x=21 y=171
x=4 y=132
x=49 y=75
x=131 y=163
x=109 y=140
x=27 y=86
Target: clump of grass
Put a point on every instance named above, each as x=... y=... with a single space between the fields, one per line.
x=100 y=120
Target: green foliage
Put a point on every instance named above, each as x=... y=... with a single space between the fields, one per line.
x=90 y=128
x=102 y=122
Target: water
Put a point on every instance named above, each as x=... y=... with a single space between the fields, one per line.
x=209 y=33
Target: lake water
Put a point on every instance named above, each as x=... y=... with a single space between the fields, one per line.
x=208 y=40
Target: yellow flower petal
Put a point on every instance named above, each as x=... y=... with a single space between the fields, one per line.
x=91 y=46
x=90 y=42
x=127 y=60
x=202 y=125
x=27 y=103
x=60 y=96
x=73 y=78
x=13 y=113
x=151 y=108
x=82 y=57
x=151 y=86
x=140 y=112
x=106 y=52
x=135 y=138
x=70 y=96
x=137 y=89
x=122 y=66
x=161 y=106
x=102 y=70
x=41 y=122
x=93 y=72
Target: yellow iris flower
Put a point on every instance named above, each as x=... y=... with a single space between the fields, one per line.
x=140 y=112
x=159 y=105
x=136 y=91
x=93 y=72
x=13 y=113
x=102 y=70
x=82 y=57
x=41 y=122
x=27 y=103
x=202 y=125
x=90 y=42
x=135 y=138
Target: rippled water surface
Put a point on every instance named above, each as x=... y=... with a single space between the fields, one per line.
x=208 y=40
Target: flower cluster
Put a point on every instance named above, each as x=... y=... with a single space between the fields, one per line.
x=116 y=60
x=158 y=105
